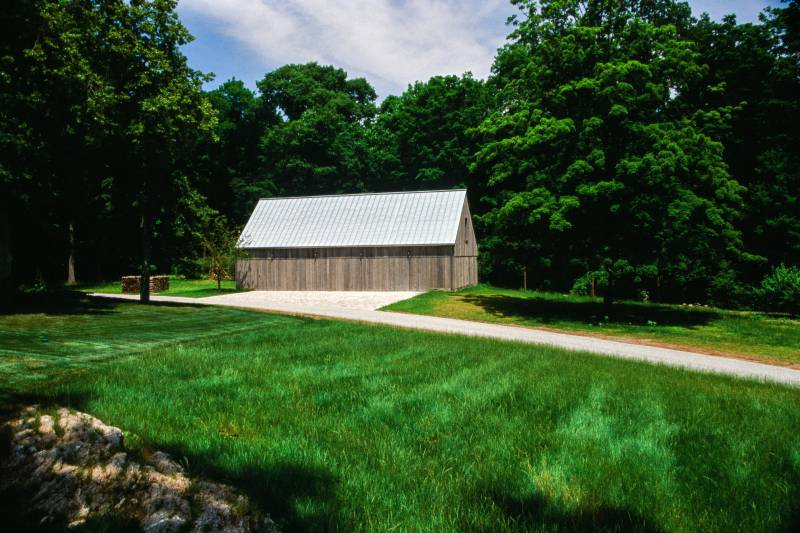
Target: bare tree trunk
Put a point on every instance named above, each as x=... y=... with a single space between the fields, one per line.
x=144 y=282
x=71 y=259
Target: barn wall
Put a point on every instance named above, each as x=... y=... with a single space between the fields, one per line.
x=348 y=269
x=465 y=260
x=466 y=245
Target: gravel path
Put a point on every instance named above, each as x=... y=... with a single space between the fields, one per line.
x=360 y=310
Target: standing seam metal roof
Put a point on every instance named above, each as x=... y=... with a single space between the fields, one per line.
x=373 y=219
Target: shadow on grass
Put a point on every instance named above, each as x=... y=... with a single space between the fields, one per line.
x=534 y=513
x=298 y=497
x=792 y=522
x=548 y=311
x=68 y=302
x=57 y=303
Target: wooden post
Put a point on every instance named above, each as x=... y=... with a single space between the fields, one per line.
x=525 y=278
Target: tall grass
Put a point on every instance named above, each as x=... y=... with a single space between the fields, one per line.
x=338 y=426
x=768 y=337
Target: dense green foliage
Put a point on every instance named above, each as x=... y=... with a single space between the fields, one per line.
x=781 y=289
x=331 y=425
x=769 y=337
x=628 y=143
x=593 y=144
x=424 y=138
x=101 y=116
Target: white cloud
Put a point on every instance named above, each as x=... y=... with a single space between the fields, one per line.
x=390 y=42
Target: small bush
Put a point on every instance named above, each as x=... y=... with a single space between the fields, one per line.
x=780 y=290
x=727 y=290
x=583 y=285
x=189 y=268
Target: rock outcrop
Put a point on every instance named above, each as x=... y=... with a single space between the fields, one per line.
x=76 y=468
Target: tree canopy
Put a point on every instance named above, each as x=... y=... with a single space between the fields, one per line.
x=627 y=142
x=596 y=161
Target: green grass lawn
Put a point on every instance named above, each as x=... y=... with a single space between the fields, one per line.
x=190 y=288
x=335 y=425
x=756 y=335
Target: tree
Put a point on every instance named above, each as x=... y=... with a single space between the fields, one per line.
x=234 y=157
x=162 y=110
x=56 y=103
x=99 y=127
x=429 y=127
x=220 y=241
x=754 y=76
x=318 y=145
x=594 y=163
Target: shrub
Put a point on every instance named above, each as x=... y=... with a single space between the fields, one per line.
x=729 y=291
x=189 y=268
x=780 y=290
x=583 y=285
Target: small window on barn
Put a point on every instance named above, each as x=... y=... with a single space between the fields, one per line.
x=466 y=233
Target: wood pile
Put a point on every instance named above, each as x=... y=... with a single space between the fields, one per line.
x=131 y=284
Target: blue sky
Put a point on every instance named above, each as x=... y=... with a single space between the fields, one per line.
x=390 y=42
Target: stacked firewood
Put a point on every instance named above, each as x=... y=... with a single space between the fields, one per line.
x=131 y=284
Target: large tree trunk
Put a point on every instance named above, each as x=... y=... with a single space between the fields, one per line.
x=71 y=259
x=144 y=285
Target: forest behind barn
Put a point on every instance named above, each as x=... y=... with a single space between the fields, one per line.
x=634 y=144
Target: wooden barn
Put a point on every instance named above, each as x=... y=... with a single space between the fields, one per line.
x=396 y=241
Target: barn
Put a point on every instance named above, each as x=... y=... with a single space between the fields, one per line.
x=395 y=241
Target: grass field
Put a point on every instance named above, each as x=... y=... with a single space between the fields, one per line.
x=189 y=288
x=334 y=425
x=772 y=338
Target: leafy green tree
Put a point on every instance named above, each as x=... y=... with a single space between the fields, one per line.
x=100 y=124
x=318 y=145
x=55 y=103
x=428 y=129
x=163 y=111
x=753 y=75
x=220 y=241
x=593 y=161
x=234 y=156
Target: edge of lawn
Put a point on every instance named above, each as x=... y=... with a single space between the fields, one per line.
x=187 y=288
x=628 y=339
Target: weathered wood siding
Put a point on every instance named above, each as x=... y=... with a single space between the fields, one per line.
x=347 y=269
x=465 y=252
x=395 y=268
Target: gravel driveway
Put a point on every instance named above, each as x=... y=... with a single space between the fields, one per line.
x=361 y=307
x=312 y=299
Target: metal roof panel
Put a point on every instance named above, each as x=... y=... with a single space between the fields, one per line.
x=375 y=219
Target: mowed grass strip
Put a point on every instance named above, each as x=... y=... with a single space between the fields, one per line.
x=63 y=331
x=768 y=337
x=187 y=288
x=334 y=425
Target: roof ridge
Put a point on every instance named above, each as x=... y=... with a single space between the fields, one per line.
x=360 y=194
